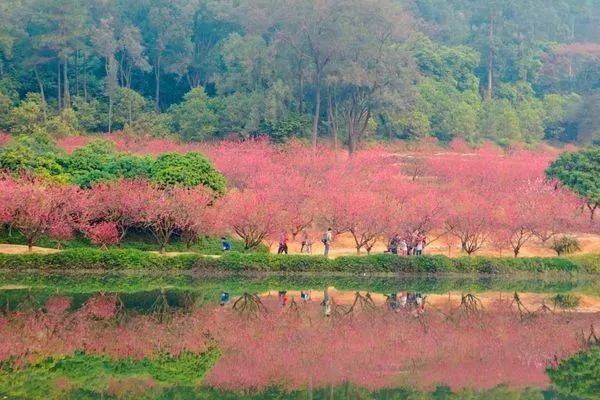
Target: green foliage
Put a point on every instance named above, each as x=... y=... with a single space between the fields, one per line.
x=149 y=124
x=580 y=172
x=565 y=300
x=137 y=240
x=451 y=112
x=499 y=121
x=578 y=375
x=129 y=105
x=33 y=153
x=63 y=124
x=93 y=372
x=217 y=69
x=87 y=258
x=98 y=161
x=29 y=116
x=88 y=114
x=566 y=245
x=188 y=170
x=195 y=118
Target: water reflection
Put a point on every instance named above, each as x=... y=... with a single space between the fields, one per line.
x=310 y=337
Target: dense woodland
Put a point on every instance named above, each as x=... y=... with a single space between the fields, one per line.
x=348 y=71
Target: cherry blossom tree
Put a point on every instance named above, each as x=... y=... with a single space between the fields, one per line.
x=103 y=233
x=470 y=218
x=250 y=214
x=34 y=207
x=196 y=216
x=122 y=202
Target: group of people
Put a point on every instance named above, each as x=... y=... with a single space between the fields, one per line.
x=396 y=245
x=406 y=300
x=413 y=247
x=307 y=242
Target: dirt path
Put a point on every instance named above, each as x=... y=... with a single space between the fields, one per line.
x=22 y=249
x=344 y=245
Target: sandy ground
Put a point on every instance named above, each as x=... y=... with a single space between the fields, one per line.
x=21 y=249
x=344 y=245
x=533 y=301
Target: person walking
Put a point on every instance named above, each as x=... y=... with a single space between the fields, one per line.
x=327 y=239
x=306 y=243
x=283 y=247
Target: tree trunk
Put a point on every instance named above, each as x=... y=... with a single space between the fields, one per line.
x=41 y=86
x=85 y=92
x=592 y=208
x=58 y=87
x=110 y=111
x=332 y=122
x=77 y=73
x=490 y=77
x=157 y=84
x=317 y=108
x=67 y=94
x=351 y=135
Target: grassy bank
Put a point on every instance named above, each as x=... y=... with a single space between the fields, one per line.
x=125 y=259
x=136 y=240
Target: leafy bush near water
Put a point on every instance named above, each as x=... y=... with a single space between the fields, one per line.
x=579 y=375
x=118 y=259
x=92 y=372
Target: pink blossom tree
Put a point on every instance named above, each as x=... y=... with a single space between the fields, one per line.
x=34 y=208
x=103 y=233
x=122 y=202
x=250 y=214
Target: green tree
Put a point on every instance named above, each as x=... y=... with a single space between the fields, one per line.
x=195 y=118
x=452 y=113
x=29 y=116
x=588 y=119
x=35 y=154
x=499 y=121
x=580 y=172
x=98 y=161
x=129 y=106
x=188 y=170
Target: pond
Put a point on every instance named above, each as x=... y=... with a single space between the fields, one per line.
x=259 y=336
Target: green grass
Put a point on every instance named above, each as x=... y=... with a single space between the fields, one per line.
x=137 y=240
x=133 y=259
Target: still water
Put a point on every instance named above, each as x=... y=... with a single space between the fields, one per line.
x=190 y=336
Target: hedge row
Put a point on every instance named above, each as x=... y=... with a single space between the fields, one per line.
x=86 y=259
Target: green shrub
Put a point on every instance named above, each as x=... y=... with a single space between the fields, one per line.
x=566 y=245
x=565 y=300
x=94 y=372
x=117 y=259
x=578 y=375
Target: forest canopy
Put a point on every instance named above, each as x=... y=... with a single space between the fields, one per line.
x=348 y=71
